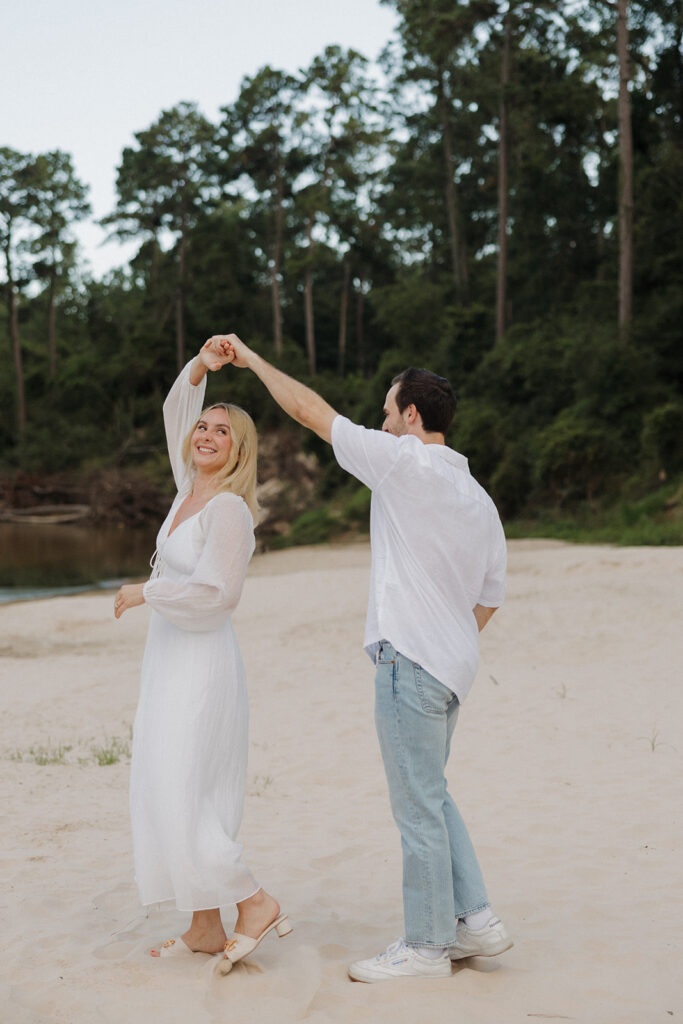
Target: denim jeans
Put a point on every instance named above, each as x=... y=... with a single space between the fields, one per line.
x=415 y=716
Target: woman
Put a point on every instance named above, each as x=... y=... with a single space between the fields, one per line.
x=189 y=761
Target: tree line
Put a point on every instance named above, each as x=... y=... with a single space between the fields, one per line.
x=498 y=198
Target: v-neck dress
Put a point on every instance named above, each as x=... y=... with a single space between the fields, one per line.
x=189 y=761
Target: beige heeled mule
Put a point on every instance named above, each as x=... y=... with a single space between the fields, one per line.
x=177 y=947
x=238 y=946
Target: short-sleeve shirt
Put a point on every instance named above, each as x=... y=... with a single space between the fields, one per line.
x=438 y=549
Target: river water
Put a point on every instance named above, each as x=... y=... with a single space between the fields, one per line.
x=43 y=560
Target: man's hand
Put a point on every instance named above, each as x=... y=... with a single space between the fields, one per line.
x=129 y=596
x=231 y=348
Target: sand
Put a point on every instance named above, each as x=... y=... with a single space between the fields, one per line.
x=566 y=766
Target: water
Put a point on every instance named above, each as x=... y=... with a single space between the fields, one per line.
x=43 y=560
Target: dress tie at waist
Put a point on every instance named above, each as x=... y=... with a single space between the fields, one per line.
x=155 y=564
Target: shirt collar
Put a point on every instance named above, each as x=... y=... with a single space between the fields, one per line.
x=450 y=456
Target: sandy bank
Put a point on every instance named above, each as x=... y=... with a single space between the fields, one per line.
x=566 y=765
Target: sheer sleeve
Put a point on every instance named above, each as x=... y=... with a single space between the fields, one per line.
x=182 y=407
x=211 y=593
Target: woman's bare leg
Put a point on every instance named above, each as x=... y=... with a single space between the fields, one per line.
x=256 y=913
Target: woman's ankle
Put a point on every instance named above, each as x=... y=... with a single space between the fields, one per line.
x=256 y=913
x=257 y=901
x=206 y=922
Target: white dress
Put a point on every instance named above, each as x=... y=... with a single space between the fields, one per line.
x=188 y=771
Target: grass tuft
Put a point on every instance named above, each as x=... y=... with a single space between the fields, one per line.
x=43 y=755
x=111 y=751
x=260 y=784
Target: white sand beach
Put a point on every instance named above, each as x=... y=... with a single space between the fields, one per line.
x=566 y=766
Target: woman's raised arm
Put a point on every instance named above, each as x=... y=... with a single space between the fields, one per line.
x=184 y=404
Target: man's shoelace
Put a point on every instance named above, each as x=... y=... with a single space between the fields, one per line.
x=392 y=950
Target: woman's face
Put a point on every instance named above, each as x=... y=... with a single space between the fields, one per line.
x=211 y=441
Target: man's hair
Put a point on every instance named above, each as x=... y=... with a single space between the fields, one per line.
x=432 y=396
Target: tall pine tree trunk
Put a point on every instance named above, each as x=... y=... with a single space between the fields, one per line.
x=626 y=173
x=51 y=327
x=275 y=268
x=600 y=238
x=156 y=253
x=360 y=335
x=13 y=318
x=501 y=284
x=458 y=256
x=180 y=299
x=343 y=314
x=308 y=300
x=17 y=357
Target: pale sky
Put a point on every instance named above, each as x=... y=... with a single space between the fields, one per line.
x=84 y=75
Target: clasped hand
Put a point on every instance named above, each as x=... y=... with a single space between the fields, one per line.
x=214 y=355
x=221 y=349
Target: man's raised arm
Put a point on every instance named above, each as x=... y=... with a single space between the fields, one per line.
x=298 y=401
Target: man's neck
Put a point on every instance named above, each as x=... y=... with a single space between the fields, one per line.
x=428 y=437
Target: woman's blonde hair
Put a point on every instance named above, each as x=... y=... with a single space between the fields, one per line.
x=239 y=473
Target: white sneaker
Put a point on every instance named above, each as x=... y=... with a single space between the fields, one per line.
x=490 y=940
x=400 y=961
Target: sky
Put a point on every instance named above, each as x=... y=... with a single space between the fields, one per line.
x=84 y=75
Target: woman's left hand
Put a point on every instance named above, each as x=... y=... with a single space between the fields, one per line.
x=128 y=596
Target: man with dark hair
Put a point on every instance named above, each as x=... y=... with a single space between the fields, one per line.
x=432 y=396
x=438 y=575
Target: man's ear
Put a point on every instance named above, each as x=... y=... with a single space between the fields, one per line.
x=411 y=414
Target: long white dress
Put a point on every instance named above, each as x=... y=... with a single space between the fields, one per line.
x=188 y=771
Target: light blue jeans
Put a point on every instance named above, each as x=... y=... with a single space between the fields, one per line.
x=415 y=716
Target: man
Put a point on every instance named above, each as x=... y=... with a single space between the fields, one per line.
x=438 y=572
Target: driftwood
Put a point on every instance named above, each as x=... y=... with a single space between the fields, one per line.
x=45 y=514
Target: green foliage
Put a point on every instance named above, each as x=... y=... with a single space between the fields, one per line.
x=411 y=310
x=377 y=203
x=511 y=481
x=312 y=527
x=163 y=182
x=655 y=519
x=356 y=509
x=662 y=437
x=575 y=456
x=480 y=432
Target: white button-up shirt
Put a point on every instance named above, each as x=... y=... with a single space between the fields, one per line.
x=438 y=549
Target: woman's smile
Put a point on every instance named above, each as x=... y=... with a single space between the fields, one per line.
x=212 y=441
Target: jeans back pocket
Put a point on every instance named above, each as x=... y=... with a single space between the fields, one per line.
x=434 y=697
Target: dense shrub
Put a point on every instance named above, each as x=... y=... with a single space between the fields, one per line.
x=662 y=437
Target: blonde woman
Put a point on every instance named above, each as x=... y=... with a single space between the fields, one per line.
x=189 y=762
